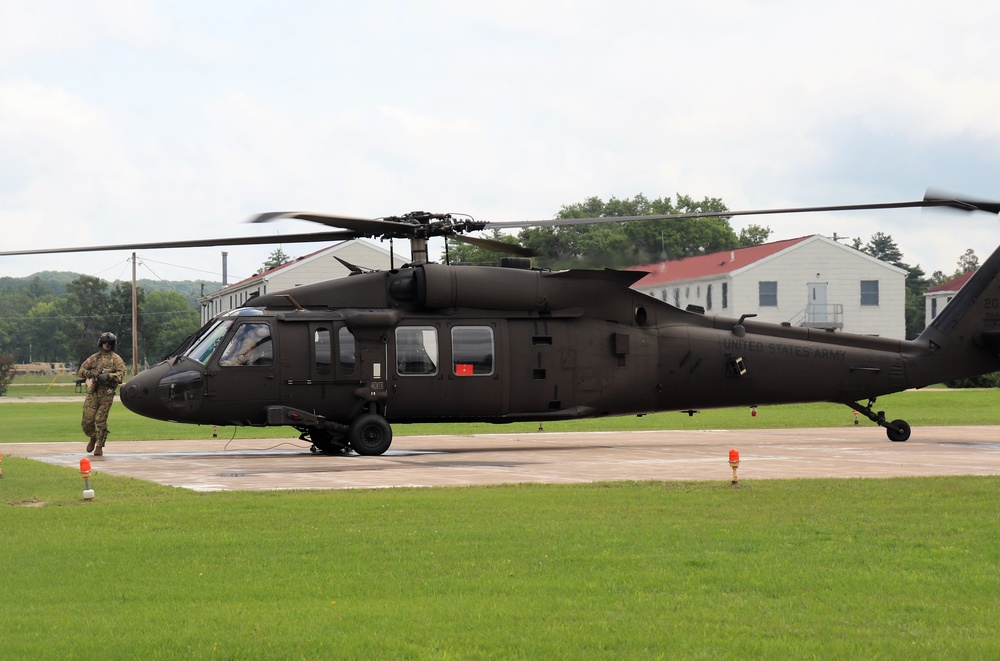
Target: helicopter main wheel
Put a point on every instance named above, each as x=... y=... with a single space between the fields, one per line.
x=370 y=434
x=898 y=431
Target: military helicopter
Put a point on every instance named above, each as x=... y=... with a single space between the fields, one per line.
x=342 y=360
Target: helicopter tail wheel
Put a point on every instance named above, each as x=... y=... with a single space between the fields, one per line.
x=898 y=431
x=370 y=434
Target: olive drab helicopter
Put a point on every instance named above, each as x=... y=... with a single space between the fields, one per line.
x=342 y=360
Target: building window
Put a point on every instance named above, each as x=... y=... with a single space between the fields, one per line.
x=725 y=295
x=869 y=292
x=768 y=293
x=933 y=308
x=677 y=297
x=708 y=297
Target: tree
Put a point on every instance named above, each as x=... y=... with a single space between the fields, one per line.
x=754 y=235
x=6 y=371
x=614 y=244
x=119 y=318
x=883 y=248
x=45 y=332
x=466 y=254
x=87 y=308
x=967 y=263
x=167 y=319
x=275 y=259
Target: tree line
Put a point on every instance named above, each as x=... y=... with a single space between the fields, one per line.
x=37 y=324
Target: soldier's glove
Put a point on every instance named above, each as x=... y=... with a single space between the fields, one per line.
x=103 y=378
x=90 y=374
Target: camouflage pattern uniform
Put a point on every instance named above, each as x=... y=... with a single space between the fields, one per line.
x=106 y=369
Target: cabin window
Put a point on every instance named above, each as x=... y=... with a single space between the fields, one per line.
x=472 y=350
x=321 y=349
x=416 y=350
x=869 y=292
x=768 y=293
x=345 y=349
x=251 y=345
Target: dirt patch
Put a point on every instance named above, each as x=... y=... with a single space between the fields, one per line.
x=31 y=503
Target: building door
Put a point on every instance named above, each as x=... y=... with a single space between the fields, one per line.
x=816 y=310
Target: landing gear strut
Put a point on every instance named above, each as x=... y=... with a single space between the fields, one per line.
x=897 y=430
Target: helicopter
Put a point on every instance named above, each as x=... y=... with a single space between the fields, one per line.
x=343 y=360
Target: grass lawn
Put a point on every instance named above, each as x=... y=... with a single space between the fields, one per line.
x=899 y=568
x=840 y=569
x=60 y=421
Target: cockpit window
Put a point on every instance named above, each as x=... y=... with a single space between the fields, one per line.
x=205 y=346
x=251 y=345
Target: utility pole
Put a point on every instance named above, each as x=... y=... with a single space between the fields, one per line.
x=135 y=323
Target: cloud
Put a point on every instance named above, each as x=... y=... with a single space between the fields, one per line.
x=147 y=121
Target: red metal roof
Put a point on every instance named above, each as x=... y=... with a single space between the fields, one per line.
x=952 y=285
x=716 y=263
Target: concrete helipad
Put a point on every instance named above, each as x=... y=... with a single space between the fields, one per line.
x=541 y=457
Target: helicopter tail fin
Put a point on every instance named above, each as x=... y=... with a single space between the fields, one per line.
x=965 y=336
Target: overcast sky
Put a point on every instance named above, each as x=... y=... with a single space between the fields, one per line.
x=148 y=121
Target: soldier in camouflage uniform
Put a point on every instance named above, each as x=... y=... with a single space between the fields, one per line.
x=103 y=371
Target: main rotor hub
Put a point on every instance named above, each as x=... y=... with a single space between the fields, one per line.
x=427 y=225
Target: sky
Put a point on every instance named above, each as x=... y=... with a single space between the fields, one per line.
x=138 y=121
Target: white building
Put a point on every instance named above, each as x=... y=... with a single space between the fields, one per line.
x=810 y=281
x=314 y=267
x=937 y=297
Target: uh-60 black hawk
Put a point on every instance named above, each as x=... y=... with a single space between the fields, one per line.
x=342 y=360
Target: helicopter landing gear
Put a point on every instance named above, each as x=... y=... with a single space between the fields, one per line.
x=897 y=430
x=325 y=442
x=370 y=434
x=326 y=438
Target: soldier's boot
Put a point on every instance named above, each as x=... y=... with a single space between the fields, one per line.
x=91 y=444
x=99 y=450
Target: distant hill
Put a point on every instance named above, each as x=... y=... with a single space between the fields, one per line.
x=54 y=282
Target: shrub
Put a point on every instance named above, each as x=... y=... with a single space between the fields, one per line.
x=6 y=372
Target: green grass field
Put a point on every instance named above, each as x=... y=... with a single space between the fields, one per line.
x=900 y=568
x=60 y=421
x=832 y=569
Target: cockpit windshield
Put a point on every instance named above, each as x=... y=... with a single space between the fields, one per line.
x=205 y=346
x=208 y=339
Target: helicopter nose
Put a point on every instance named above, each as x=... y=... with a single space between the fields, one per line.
x=164 y=392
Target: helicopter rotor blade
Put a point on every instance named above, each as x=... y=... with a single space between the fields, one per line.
x=369 y=227
x=197 y=243
x=962 y=203
x=929 y=201
x=495 y=246
x=422 y=225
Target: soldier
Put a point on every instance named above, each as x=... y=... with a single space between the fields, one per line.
x=103 y=371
